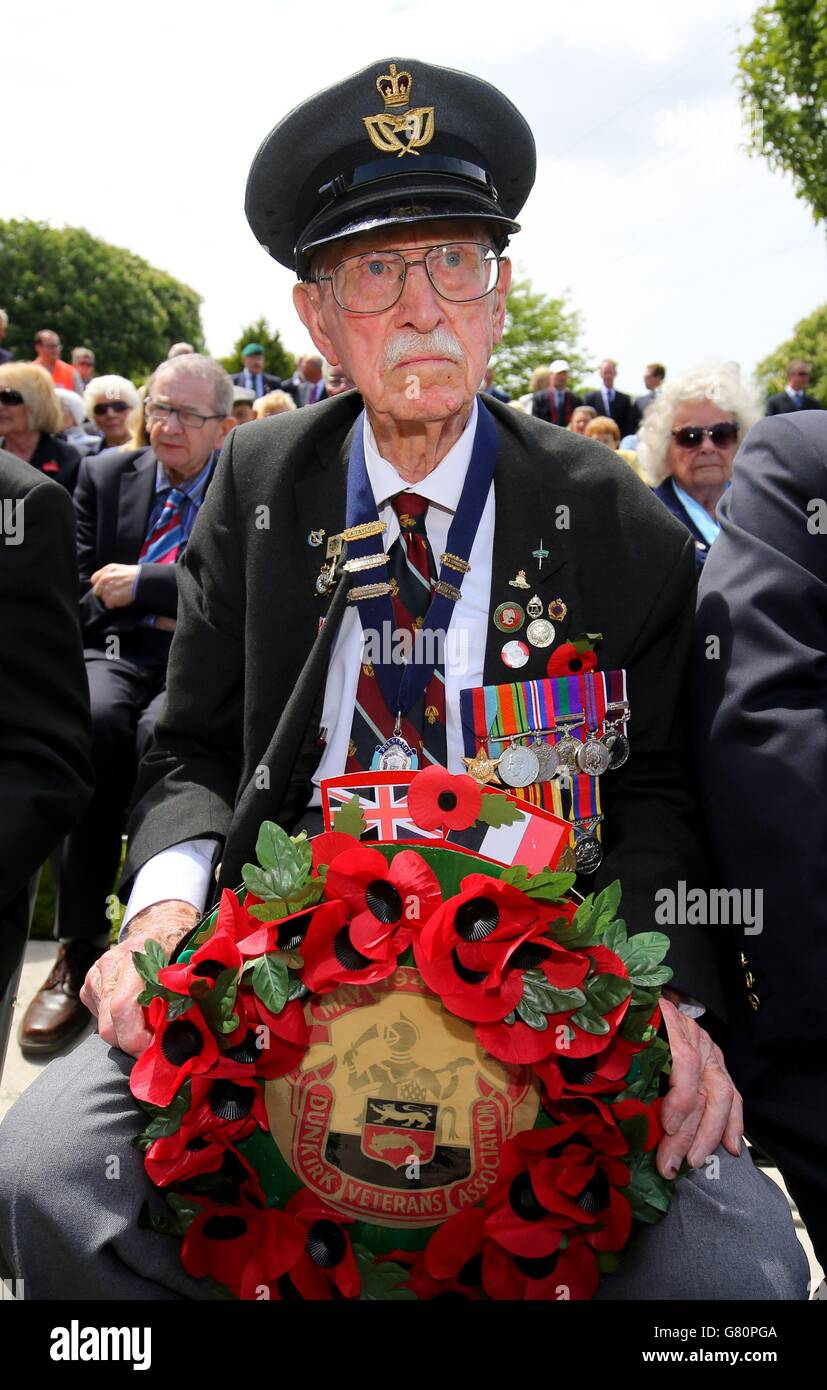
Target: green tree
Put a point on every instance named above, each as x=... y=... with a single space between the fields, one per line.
x=93 y=294
x=809 y=341
x=783 y=81
x=538 y=328
x=276 y=358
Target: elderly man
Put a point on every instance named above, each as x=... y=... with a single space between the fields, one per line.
x=607 y=401
x=556 y=404
x=83 y=361
x=252 y=375
x=135 y=511
x=402 y=282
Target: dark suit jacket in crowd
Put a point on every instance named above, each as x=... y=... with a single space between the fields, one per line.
x=45 y=773
x=621 y=411
x=783 y=404
x=639 y=408
x=248 y=662
x=761 y=728
x=113 y=499
x=669 y=498
x=271 y=383
x=5 y=356
x=57 y=459
x=543 y=407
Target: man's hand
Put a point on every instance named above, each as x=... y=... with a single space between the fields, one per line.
x=702 y=1107
x=113 y=585
x=111 y=988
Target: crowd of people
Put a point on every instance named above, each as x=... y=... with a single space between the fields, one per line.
x=179 y=728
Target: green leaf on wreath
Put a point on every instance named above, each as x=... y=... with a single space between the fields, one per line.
x=296 y=990
x=510 y=1018
x=350 y=818
x=646 y=999
x=184 y=1207
x=654 y=979
x=605 y=992
x=166 y=1120
x=649 y=1194
x=271 y=982
x=148 y=963
x=614 y=937
x=635 y=1130
x=607 y=902
x=644 y=951
x=381 y=1282
x=548 y=885
x=273 y=909
x=217 y=1000
x=590 y=1021
x=533 y=1017
x=288 y=859
x=540 y=995
x=179 y=1006
x=607 y=1261
x=496 y=810
x=636 y=1026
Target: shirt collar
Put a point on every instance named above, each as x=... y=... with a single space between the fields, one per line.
x=193 y=487
x=706 y=524
x=443 y=486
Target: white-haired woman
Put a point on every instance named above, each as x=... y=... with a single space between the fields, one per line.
x=108 y=401
x=688 y=440
x=31 y=417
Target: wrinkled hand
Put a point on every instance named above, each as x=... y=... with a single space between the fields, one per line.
x=111 y=988
x=113 y=585
x=702 y=1108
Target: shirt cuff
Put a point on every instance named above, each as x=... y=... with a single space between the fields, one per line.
x=691 y=1007
x=183 y=871
x=134 y=596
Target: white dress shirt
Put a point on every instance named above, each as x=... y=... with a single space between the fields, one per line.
x=184 y=870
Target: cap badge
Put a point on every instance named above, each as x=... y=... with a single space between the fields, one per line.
x=403 y=134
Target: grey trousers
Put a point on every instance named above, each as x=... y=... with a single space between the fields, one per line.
x=72 y=1186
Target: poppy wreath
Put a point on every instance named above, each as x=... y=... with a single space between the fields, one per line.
x=548 y=983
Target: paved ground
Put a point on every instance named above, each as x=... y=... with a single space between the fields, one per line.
x=19 y=1072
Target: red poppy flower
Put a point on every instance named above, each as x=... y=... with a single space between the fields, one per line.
x=225 y=1106
x=326 y=846
x=600 y=1072
x=330 y=957
x=475 y=949
x=387 y=902
x=438 y=800
x=216 y=955
x=462 y=1258
x=466 y=1284
x=283 y=934
x=179 y=1158
x=266 y=1044
x=568 y=661
x=185 y=1047
x=241 y=1246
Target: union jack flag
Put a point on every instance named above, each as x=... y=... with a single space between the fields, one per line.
x=384 y=804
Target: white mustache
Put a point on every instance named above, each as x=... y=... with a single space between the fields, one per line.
x=409 y=344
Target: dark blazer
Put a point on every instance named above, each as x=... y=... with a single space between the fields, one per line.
x=543 y=407
x=5 y=355
x=639 y=408
x=782 y=404
x=113 y=500
x=621 y=411
x=761 y=728
x=248 y=662
x=669 y=498
x=45 y=774
x=271 y=383
x=57 y=459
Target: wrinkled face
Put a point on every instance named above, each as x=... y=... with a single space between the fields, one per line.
x=608 y=372
x=709 y=465
x=184 y=448
x=254 y=362
x=49 y=347
x=423 y=358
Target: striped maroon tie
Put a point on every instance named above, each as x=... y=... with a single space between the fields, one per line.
x=411 y=575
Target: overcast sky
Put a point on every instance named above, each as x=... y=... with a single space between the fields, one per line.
x=139 y=122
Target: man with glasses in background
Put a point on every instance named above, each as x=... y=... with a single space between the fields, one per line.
x=395 y=223
x=135 y=511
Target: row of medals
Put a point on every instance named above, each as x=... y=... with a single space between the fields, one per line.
x=522 y=764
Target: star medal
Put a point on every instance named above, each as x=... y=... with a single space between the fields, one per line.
x=534 y=607
x=519 y=766
x=540 y=633
x=593 y=756
x=395 y=754
x=548 y=760
x=481 y=767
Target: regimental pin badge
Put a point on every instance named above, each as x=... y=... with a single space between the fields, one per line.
x=325 y=579
x=519 y=581
x=557 y=610
x=534 y=607
x=515 y=654
x=315 y=538
x=540 y=554
x=334 y=547
x=509 y=617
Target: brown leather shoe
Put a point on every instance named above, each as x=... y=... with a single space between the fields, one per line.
x=56 y=1015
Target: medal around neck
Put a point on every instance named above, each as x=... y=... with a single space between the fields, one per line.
x=395 y=754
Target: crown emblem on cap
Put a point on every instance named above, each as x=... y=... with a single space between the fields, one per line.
x=394 y=87
x=402 y=134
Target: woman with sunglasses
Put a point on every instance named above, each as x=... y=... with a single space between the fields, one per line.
x=688 y=441
x=30 y=418
x=108 y=401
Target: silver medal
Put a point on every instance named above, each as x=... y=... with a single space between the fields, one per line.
x=588 y=854
x=567 y=749
x=593 y=757
x=540 y=633
x=519 y=766
x=394 y=755
x=548 y=760
x=618 y=746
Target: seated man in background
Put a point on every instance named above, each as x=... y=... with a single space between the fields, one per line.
x=135 y=511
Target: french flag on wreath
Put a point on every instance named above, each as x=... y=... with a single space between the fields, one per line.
x=528 y=835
